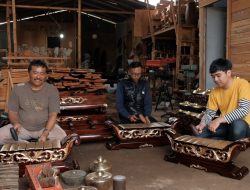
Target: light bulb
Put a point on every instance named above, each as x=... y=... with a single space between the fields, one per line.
x=61 y=35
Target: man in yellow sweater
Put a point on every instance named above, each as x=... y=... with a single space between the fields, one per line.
x=231 y=98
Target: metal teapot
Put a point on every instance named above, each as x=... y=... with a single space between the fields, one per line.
x=100 y=164
x=101 y=180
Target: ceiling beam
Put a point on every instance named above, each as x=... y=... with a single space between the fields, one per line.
x=102 y=4
x=70 y=9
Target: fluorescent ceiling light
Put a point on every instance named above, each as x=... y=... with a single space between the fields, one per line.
x=106 y=20
x=31 y=17
x=151 y=2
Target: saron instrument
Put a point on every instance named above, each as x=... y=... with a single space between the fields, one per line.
x=138 y=135
x=35 y=152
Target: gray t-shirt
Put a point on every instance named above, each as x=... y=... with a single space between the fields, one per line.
x=34 y=107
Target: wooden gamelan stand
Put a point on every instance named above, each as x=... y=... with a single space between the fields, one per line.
x=54 y=151
x=137 y=135
x=85 y=115
x=207 y=154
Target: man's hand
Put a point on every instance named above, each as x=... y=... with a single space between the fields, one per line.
x=142 y=118
x=44 y=136
x=215 y=124
x=200 y=127
x=15 y=121
x=147 y=119
x=133 y=118
x=17 y=127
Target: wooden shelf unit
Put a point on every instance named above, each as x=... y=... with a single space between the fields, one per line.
x=182 y=32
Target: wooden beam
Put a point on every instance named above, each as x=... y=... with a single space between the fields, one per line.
x=151 y=32
x=41 y=7
x=202 y=47
x=14 y=26
x=103 y=4
x=79 y=37
x=178 y=39
x=108 y=11
x=8 y=12
x=203 y=3
x=70 y=9
x=229 y=29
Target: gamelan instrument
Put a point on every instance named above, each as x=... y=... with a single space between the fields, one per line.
x=138 y=135
x=84 y=102
x=207 y=154
x=84 y=115
x=88 y=127
x=190 y=113
x=36 y=152
x=9 y=176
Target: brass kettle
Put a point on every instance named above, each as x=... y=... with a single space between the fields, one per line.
x=100 y=164
x=101 y=180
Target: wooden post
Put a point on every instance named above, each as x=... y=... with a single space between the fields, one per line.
x=151 y=32
x=14 y=26
x=229 y=25
x=8 y=12
x=79 y=36
x=202 y=47
x=178 y=44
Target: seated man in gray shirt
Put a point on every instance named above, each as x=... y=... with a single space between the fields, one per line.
x=33 y=107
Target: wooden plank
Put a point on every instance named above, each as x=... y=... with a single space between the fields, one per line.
x=8 y=11
x=241 y=15
x=79 y=36
x=240 y=32
x=241 y=61
x=3 y=91
x=242 y=75
x=239 y=5
x=2 y=105
x=14 y=26
x=240 y=28
x=240 y=38
x=7 y=92
x=240 y=23
x=229 y=23
x=203 y=3
x=151 y=32
x=240 y=48
x=33 y=57
x=202 y=45
x=244 y=67
x=141 y=23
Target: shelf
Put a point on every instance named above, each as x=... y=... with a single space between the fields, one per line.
x=162 y=31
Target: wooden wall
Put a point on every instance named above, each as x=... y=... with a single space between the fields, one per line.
x=239 y=37
x=141 y=23
x=36 y=34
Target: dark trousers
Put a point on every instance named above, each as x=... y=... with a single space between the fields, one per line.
x=236 y=130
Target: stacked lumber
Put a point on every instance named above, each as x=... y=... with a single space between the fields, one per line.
x=74 y=81
x=10 y=78
x=3 y=87
x=68 y=81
